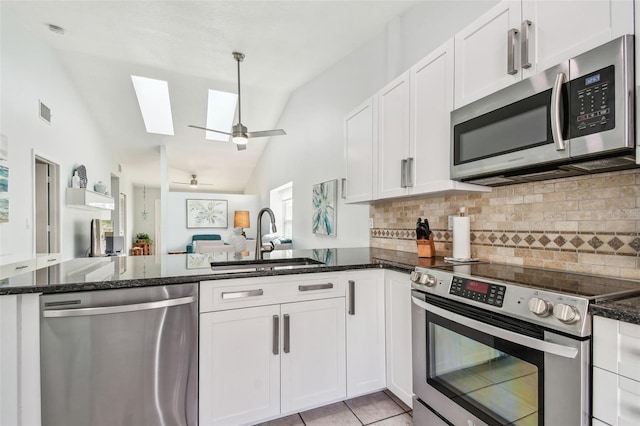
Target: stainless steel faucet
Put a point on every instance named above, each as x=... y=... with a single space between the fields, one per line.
x=259 y=248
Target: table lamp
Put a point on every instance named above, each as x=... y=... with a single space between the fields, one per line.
x=241 y=220
x=239 y=238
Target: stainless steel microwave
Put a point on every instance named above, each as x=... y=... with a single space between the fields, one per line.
x=574 y=118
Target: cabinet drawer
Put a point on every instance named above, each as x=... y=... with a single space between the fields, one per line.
x=241 y=293
x=16 y=268
x=616 y=347
x=616 y=399
x=44 y=260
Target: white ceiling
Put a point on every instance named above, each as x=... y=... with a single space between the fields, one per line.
x=189 y=44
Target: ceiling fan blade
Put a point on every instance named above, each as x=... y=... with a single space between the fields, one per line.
x=209 y=130
x=241 y=147
x=182 y=183
x=265 y=133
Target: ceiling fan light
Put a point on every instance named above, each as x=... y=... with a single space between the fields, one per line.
x=240 y=139
x=194 y=183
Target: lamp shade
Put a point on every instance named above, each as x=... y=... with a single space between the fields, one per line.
x=241 y=219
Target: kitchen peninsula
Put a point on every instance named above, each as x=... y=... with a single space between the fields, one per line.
x=102 y=273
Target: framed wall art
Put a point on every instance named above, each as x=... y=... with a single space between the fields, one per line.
x=207 y=214
x=324 y=199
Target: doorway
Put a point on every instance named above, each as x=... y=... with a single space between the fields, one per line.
x=46 y=205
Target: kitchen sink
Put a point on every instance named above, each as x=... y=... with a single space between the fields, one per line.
x=264 y=265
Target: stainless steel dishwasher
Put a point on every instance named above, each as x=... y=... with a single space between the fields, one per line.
x=120 y=357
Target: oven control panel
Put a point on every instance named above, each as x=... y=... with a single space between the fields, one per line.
x=491 y=294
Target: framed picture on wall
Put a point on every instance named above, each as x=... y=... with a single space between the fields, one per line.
x=324 y=199
x=207 y=214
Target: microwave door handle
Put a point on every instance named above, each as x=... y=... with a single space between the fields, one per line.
x=556 y=119
x=511 y=51
x=520 y=339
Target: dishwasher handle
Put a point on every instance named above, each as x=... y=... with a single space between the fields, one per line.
x=117 y=309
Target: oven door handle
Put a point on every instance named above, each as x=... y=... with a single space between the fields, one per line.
x=529 y=342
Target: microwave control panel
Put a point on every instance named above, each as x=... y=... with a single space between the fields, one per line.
x=592 y=98
x=491 y=294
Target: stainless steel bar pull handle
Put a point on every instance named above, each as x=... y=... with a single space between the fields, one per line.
x=287 y=328
x=344 y=188
x=408 y=170
x=556 y=119
x=511 y=51
x=352 y=297
x=276 y=334
x=118 y=309
x=524 y=44
x=241 y=294
x=520 y=339
x=403 y=173
x=311 y=287
x=21 y=267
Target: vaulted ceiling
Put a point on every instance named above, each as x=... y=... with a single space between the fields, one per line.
x=189 y=44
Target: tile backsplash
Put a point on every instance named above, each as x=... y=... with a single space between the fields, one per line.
x=588 y=224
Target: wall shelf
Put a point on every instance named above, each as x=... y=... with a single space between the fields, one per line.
x=84 y=199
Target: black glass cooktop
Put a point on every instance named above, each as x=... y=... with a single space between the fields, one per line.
x=594 y=286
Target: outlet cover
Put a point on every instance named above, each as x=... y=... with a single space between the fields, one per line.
x=370 y=223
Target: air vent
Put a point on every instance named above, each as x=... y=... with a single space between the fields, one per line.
x=45 y=112
x=605 y=164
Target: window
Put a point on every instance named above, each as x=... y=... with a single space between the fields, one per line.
x=281 y=202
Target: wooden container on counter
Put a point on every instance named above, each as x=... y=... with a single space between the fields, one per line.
x=426 y=248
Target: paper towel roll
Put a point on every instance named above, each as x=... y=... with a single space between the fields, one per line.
x=461 y=237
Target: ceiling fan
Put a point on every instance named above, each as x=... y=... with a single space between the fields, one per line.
x=193 y=183
x=239 y=134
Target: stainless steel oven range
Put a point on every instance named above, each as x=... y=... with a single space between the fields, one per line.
x=497 y=344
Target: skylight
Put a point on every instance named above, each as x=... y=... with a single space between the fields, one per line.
x=220 y=112
x=155 y=106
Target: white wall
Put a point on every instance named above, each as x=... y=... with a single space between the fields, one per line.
x=312 y=152
x=31 y=72
x=178 y=235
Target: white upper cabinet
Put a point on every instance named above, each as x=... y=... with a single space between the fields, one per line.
x=482 y=52
x=414 y=142
x=393 y=137
x=431 y=103
x=560 y=30
x=360 y=134
x=517 y=39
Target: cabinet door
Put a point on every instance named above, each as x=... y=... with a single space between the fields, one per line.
x=393 y=136
x=481 y=51
x=560 y=30
x=365 y=333
x=239 y=371
x=313 y=353
x=398 y=335
x=360 y=133
x=431 y=105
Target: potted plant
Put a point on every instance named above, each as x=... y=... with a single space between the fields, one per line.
x=144 y=237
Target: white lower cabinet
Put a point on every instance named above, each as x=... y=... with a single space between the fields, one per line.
x=239 y=373
x=616 y=372
x=398 y=335
x=313 y=354
x=261 y=362
x=365 y=332
x=20 y=360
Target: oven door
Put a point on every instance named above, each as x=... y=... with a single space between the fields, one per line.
x=474 y=367
x=523 y=125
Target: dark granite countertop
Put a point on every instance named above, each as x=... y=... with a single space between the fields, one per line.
x=99 y=273
x=627 y=310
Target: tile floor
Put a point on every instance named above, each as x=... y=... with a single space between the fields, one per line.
x=380 y=409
